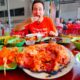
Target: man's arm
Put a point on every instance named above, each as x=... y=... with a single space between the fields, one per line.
x=53 y=28
x=22 y=25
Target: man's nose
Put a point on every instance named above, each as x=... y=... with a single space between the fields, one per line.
x=37 y=11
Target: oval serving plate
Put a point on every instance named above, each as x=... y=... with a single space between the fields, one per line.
x=44 y=75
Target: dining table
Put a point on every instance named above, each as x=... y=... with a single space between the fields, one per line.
x=19 y=74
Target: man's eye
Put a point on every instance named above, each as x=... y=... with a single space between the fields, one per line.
x=37 y=9
x=40 y=9
x=34 y=9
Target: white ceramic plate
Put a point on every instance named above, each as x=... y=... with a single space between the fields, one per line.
x=44 y=75
x=34 y=34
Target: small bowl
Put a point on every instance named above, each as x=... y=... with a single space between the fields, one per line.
x=30 y=42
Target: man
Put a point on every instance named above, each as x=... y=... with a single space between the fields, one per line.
x=38 y=23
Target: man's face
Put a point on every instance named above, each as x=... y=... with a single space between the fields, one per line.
x=38 y=10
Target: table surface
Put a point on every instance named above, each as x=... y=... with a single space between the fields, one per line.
x=19 y=74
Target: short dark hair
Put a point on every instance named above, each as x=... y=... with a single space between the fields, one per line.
x=37 y=1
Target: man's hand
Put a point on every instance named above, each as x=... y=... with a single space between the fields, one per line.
x=34 y=19
x=53 y=33
x=37 y=18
